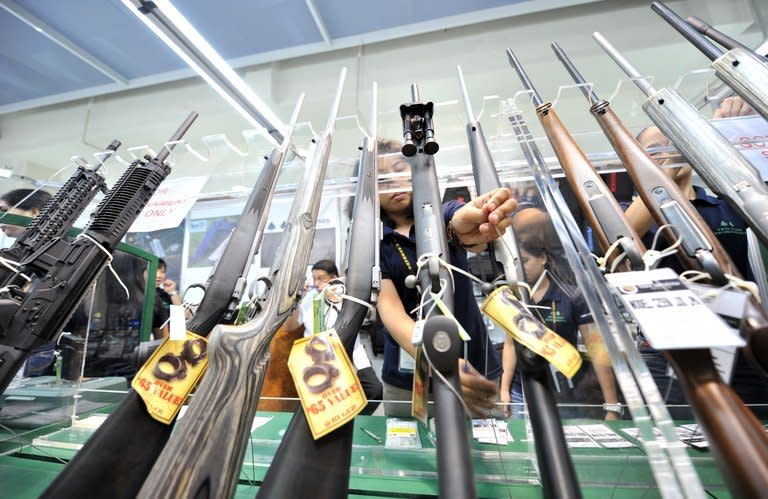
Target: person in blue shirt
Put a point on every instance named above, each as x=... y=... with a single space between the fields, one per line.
x=730 y=230
x=471 y=224
x=565 y=315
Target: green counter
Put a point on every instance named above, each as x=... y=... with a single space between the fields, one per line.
x=377 y=471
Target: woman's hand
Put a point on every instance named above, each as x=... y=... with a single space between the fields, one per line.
x=485 y=218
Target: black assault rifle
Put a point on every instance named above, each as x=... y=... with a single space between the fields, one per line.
x=62 y=271
x=209 y=443
x=58 y=214
x=83 y=474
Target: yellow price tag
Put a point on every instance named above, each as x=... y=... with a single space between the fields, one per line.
x=165 y=381
x=330 y=392
x=503 y=307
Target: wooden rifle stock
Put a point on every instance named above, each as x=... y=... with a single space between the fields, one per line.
x=591 y=192
x=742 y=453
x=204 y=455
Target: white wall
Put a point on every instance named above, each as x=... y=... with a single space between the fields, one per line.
x=38 y=142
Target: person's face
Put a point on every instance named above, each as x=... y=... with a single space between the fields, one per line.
x=12 y=230
x=398 y=197
x=652 y=137
x=533 y=266
x=160 y=277
x=320 y=279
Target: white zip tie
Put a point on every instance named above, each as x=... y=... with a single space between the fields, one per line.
x=83 y=235
x=652 y=256
x=14 y=267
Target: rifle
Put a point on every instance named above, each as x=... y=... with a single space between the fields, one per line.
x=62 y=271
x=323 y=464
x=59 y=213
x=209 y=442
x=667 y=456
x=223 y=290
x=558 y=474
x=597 y=203
x=710 y=154
x=718 y=409
x=699 y=248
x=740 y=68
x=441 y=342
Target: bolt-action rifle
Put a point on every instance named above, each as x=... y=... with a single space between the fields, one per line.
x=718 y=409
x=745 y=71
x=63 y=271
x=441 y=342
x=699 y=249
x=323 y=464
x=223 y=290
x=558 y=474
x=209 y=442
x=667 y=456
x=597 y=203
x=59 y=213
x=709 y=153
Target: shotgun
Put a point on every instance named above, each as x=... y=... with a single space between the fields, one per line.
x=441 y=342
x=740 y=68
x=597 y=203
x=667 y=456
x=223 y=290
x=63 y=271
x=709 y=153
x=558 y=474
x=323 y=464
x=699 y=248
x=58 y=214
x=719 y=410
x=209 y=442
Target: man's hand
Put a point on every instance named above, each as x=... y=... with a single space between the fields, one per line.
x=733 y=106
x=479 y=393
x=484 y=218
x=506 y=399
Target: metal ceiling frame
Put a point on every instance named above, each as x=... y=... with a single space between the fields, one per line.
x=328 y=44
x=62 y=41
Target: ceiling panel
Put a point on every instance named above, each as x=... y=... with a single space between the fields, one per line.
x=353 y=17
x=105 y=29
x=32 y=66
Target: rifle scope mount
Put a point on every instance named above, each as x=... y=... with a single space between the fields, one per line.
x=418 y=131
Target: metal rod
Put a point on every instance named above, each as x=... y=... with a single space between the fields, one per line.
x=585 y=87
x=176 y=137
x=415 y=93
x=375 y=111
x=642 y=82
x=705 y=28
x=336 y=100
x=465 y=95
x=698 y=40
x=537 y=100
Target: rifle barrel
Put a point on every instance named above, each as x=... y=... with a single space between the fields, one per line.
x=176 y=137
x=585 y=87
x=642 y=82
x=465 y=95
x=537 y=100
x=689 y=32
x=706 y=29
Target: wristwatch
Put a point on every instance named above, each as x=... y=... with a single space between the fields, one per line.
x=617 y=408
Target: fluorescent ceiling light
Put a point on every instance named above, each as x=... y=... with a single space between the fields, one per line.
x=6 y=173
x=174 y=29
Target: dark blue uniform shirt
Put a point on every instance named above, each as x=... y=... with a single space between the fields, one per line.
x=727 y=225
x=480 y=351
